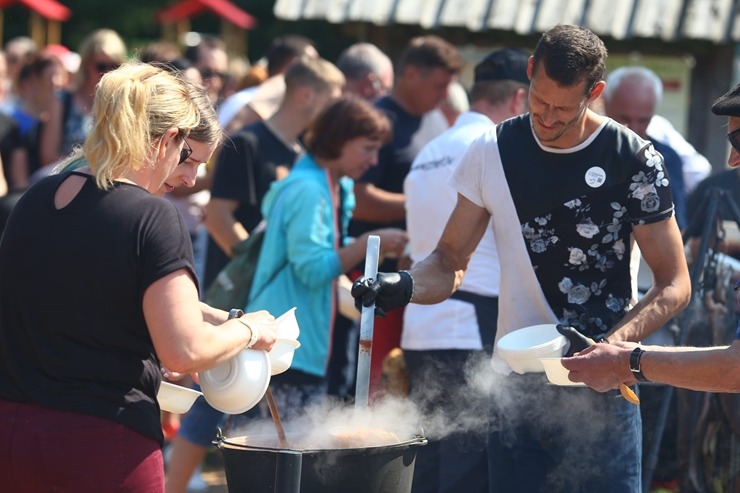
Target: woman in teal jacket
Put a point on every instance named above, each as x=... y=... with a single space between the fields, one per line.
x=306 y=246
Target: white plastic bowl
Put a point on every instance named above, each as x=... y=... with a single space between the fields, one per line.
x=238 y=384
x=176 y=398
x=287 y=325
x=281 y=354
x=523 y=348
x=557 y=374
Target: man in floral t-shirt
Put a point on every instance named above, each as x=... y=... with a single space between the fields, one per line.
x=570 y=192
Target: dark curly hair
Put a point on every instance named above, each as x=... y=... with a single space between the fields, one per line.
x=571 y=54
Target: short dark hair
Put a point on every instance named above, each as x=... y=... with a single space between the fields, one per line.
x=347 y=118
x=430 y=52
x=495 y=91
x=571 y=54
x=283 y=50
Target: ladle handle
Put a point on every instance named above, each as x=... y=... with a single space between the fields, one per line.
x=367 y=320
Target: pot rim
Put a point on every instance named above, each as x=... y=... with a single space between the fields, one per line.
x=223 y=442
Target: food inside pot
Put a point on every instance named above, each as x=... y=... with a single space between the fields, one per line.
x=338 y=439
x=368 y=437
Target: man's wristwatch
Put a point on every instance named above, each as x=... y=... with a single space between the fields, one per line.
x=635 y=366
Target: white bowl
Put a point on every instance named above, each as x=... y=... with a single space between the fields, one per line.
x=176 y=398
x=558 y=374
x=287 y=325
x=281 y=354
x=238 y=384
x=523 y=348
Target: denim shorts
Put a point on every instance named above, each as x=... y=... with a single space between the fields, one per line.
x=200 y=425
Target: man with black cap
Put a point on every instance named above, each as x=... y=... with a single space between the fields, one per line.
x=439 y=340
x=709 y=369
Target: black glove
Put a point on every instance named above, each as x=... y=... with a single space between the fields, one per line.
x=578 y=341
x=390 y=290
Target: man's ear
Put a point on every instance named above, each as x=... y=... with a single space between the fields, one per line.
x=596 y=91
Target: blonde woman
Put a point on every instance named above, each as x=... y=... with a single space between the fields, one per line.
x=70 y=120
x=97 y=291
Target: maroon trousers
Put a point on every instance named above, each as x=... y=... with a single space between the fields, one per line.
x=44 y=450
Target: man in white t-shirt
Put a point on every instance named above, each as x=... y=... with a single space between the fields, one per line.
x=439 y=340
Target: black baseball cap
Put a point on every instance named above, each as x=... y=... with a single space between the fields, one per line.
x=506 y=64
x=728 y=104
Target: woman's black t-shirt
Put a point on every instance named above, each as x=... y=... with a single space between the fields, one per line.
x=72 y=281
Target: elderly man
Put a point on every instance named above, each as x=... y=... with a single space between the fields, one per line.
x=631 y=97
x=715 y=369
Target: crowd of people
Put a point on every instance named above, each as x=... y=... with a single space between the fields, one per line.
x=131 y=175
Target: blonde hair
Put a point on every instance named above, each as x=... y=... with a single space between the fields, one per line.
x=316 y=73
x=105 y=41
x=134 y=106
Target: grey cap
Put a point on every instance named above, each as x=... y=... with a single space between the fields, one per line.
x=729 y=103
x=506 y=64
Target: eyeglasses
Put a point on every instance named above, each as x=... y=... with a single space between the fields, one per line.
x=734 y=138
x=186 y=150
x=104 y=67
x=209 y=74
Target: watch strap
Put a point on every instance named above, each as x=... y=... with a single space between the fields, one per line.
x=635 y=365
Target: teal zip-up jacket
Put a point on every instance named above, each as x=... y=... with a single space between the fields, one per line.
x=299 y=264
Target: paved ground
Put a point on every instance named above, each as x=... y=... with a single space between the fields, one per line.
x=216 y=481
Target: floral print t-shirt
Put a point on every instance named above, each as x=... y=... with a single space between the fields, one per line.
x=577 y=208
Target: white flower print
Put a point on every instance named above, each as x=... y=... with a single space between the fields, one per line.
x=643 y=190
x=565 y=285
x=577 y=257
x=572 y=204
x=650 y=203
x=615 y=304
x=577 y=294
x=619 y=249
x=587 y=229
x=653 y=159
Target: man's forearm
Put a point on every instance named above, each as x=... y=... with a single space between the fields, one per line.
x=435 y=279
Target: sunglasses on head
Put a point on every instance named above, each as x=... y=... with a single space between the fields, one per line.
x=186 y=150
x=734 y=138
x=103 y=67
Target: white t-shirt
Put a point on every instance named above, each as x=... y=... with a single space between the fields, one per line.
x=451 y=324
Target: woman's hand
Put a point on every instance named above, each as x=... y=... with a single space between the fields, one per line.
x=263 y=324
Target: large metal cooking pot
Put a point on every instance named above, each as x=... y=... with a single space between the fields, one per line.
x=266 y=469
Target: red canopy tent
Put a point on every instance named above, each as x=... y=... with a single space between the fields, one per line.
x=188 y=9
x=236 y=21
x=46 y=16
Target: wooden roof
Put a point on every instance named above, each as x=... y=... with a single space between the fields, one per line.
x=669 y=20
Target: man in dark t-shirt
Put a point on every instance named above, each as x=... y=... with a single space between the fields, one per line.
x=425 y=70
x=261 y=153
x=246 y=167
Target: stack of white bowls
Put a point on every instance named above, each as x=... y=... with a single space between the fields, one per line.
x=240 y=383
